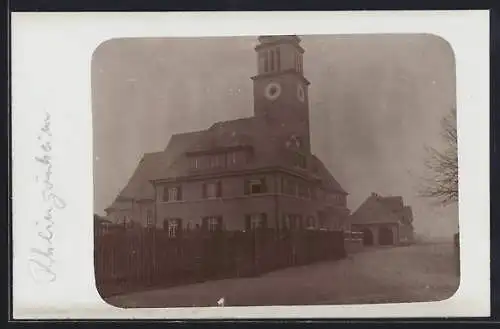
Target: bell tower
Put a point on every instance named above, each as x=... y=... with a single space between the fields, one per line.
x=280 y=88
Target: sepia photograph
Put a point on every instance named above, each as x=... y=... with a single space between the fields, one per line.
x=250 y=165
x=275 y=170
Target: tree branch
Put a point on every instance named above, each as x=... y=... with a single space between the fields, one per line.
x=442 y=184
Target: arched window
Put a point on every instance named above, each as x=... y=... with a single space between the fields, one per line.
x=272 y=60
x=266 y=63
x=278 y=59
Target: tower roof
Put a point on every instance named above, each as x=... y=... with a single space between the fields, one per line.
x=269 y=40
x=277 y=38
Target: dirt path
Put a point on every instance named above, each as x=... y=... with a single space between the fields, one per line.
x=381 y=275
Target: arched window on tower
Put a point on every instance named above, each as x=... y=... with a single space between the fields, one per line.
x=266 y=63
x=272 y=60
x=278 y=59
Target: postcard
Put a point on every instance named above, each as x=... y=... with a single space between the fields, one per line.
x=250 y=165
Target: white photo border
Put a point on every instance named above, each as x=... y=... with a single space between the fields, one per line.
x=51 y=58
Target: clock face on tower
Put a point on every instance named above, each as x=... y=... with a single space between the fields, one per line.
x=272 y=91
x=300 y=93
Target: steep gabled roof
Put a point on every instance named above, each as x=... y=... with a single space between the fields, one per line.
x=378 y=209
x=394 y=203
x=150 y=166
x=174 y=161
x=246 y=132
x=327 y=179
x=226 y=134
x=148 y=163
x=180 y=142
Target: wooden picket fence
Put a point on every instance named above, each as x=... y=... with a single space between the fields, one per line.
x=128 y=260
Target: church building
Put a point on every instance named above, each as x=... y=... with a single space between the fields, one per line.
x=241 y=174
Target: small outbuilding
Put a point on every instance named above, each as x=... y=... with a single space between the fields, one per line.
x=383 y=221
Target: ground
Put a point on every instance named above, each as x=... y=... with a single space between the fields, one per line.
x=423 y=272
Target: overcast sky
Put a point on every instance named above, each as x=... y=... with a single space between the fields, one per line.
x=375 y=102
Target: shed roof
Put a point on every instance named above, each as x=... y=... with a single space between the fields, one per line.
x=379 y=209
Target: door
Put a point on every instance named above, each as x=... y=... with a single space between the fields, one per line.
x=367 y=237
x=386 y=237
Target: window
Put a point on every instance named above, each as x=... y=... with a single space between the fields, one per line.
x=212 y=190
x=336 y=198
x=311 y=223
x=292 y=222
x=289 y=222
x=212 y=223
x=255 y=186
x=300 y=160
x=172 y=193
x=195 y=163
x=172 y=226
x=149 y=218
x=214 y=161
x=231 y=158
x=285 y=223
x=272 y=60
x=300 y=224
x=255 y=221
x=322 y=221
x=266 y=63
x=278 y=59
x=222 y=160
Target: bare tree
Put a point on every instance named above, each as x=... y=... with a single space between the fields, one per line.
x=442 y=182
